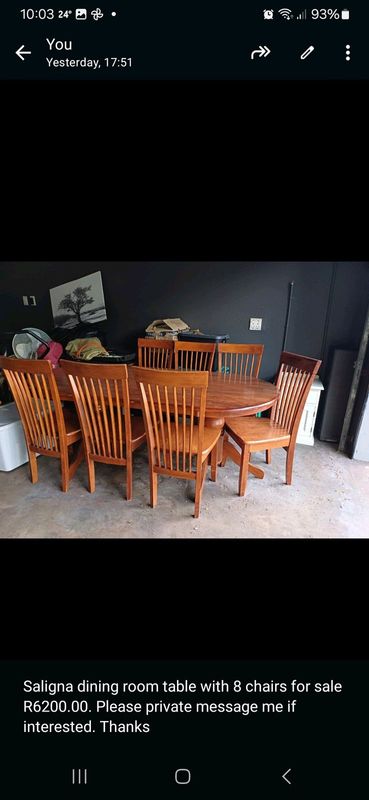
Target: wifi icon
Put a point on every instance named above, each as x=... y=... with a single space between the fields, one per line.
x=286 y=13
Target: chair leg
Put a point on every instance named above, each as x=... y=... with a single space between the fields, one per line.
x=91 y=474
x=214 y=463
x=200 y=478
x=220 y=448
x=224 y=454
x=129 y=478
x=64 y=464
x=289 y=464
x=244 y=471
x=153 y=488
x=78 y=457
x=268 y=456
x=33 y=466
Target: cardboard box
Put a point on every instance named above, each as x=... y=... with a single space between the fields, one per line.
x=166 y=328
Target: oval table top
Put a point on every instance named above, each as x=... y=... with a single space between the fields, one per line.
x=227 y=396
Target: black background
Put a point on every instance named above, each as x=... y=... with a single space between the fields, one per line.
x=185 y=171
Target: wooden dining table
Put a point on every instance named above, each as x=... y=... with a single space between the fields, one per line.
x=228 y=395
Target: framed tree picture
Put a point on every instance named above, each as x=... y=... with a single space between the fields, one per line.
x=78 y=301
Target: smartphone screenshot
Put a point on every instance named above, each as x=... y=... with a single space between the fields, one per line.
x=184 y=383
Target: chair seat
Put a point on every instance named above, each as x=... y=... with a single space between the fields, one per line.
x=138 y=431
x=211 y=436
x=72 y=426
x=256 y=431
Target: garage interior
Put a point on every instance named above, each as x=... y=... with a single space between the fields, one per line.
x=317 y=309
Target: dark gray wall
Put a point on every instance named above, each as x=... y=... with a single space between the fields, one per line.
x=328 y=309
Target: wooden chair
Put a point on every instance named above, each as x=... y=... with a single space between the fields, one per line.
x=198 y=356
x=49 y=428
x=240 y=359
x=110 y=434
x=294 y=379
x=155 y=353
x=173 y=406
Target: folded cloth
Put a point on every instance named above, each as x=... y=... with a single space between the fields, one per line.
x=86 y=348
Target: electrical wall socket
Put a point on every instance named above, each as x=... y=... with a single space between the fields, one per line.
x=255 y=324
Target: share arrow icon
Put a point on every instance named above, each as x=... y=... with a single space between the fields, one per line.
x=262 y=51
x=21 y=53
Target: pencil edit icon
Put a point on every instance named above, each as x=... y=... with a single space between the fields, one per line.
x=307 y=52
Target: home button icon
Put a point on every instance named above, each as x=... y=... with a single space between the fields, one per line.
x=182 y=776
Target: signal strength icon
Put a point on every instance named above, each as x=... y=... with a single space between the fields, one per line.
x=286 y=13
x=303 y=15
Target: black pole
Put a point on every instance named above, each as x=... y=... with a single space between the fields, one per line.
x=287 y=323
x=354 y=386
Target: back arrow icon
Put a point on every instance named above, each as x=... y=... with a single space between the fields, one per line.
x=284 y=776
x=262 y=51
x=21 y=53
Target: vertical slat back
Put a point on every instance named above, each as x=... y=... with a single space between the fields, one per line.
x=35 y=393
x=243 y=360
x=294 y=379
x=101 y=396
x=173 y=405
x=155 y=354
x=194 y=356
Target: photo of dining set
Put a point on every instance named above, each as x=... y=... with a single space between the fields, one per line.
x=193 y=405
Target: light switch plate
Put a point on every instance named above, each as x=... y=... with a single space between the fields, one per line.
x=255 y=324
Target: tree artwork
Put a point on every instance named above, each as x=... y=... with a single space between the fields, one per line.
x=76 y=300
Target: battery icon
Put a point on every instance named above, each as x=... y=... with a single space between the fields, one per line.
x=345 y=14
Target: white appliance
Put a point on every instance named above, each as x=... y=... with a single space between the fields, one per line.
x=305 y=433
x=13 y=450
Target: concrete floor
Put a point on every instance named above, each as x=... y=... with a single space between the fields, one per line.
x=329 y=497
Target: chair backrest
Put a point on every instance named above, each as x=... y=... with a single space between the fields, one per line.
x=101 y=396
x=155 y=353
x=294 y=379
x=240 y=359
x=35 y=392
x=198 y=356
x=173 y=404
